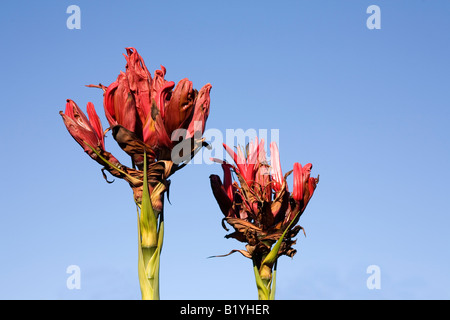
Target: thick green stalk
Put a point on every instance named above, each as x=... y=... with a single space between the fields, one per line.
x=265 y=274
x=265 y=280
x=263 y=290
x=150 y=239
x=149 y=266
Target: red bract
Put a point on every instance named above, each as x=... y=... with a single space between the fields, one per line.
x=262 y=207
x=227 y=181
x=304 y=185
x=152 y=109
x=277 y=175
x=201 y=112
x=120 y=106
x=87 y=132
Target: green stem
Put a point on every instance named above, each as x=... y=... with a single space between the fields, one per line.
x=274 y=281
x=265 y=277
x=150 y=239
x=263 y=291
x=149 y=264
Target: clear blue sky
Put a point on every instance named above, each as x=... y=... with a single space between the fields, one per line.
x=369 y=109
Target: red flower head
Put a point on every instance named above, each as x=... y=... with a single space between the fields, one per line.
x=261 y=206
x=144 y=113
x=155 y=110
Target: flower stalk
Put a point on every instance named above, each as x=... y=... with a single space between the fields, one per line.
x=265 y=275
x=261 y=209
x=150 y=239
x=160 y=126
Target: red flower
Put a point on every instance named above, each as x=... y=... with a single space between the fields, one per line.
x=304 y=185
x=87 y=132
x=246 y=165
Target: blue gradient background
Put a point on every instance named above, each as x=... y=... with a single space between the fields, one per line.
x=369 y=108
